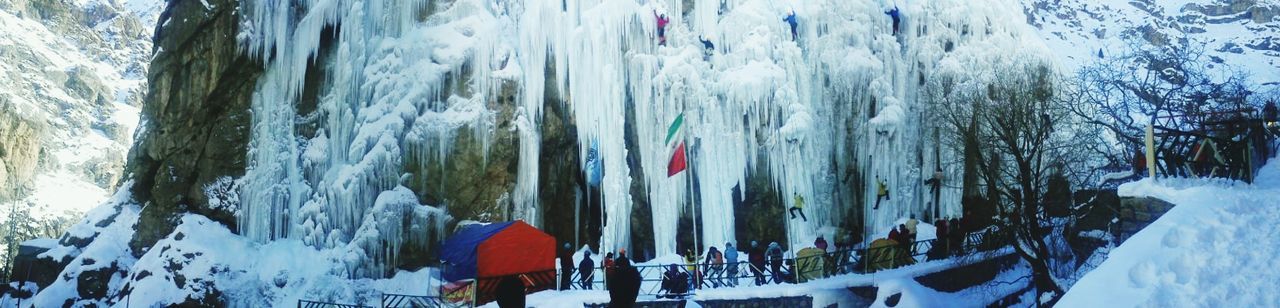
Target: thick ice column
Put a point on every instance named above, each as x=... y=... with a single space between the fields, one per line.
x=655 y=112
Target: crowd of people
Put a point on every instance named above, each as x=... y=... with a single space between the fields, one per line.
x=766 y=263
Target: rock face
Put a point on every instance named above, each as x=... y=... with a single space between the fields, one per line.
x=1239 y=33
x=74 y=69
x=196 y=117
x=19 y=146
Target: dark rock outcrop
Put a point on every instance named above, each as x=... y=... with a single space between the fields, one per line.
x=196 y=116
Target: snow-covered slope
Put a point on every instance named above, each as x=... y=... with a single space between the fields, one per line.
x=1216 y=248
x=78 y=70
x=1244 y=34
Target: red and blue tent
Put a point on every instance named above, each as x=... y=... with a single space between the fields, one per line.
x=487 y=252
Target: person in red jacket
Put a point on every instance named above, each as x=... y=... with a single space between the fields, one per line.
x=756 y=258
x=662 y=27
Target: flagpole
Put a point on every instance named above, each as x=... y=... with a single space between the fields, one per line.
x=692 y=207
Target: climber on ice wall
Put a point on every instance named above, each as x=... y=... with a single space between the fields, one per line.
x=662 y=27
x=791 y=20
x=894 y=14
x=798 y=207
x=881 y=192
x=707 y=48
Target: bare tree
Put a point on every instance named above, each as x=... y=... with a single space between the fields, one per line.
x=1174 y=86
x=1017 y=133
x=1018 y=120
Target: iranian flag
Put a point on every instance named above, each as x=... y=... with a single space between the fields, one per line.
x=678 y=162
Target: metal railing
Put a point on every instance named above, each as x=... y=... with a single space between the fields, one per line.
x=414 y=301
x=318 y=304
x=804 y=268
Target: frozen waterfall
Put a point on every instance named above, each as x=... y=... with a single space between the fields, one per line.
x=845 y=99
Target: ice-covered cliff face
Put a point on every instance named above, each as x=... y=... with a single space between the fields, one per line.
x=71 y=84
x=1244 y=34
x=843 y=99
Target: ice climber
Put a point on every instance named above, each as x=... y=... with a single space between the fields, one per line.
x=585 y=269
x=881 y=192
x=662 y=27
x=894 y=14
x=707 y=48
x=798 y=207
x=791 y=20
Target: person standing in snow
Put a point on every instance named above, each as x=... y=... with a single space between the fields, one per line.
x=607 y=264
x=756 y=258
x=775 y=261
x=955 y=236
x=731 y=258
x=1269 y=114
x=798 y=207
x=905 y=244
x=626 y=285
x=691 y=264
x=791 y=20
x=882 y=192
x=940 y=235
x=911 y=231
x=662 y=21
x=820 y=243
x=566 y=266
x=894 y=14
x=715 y=267
x=585 y=270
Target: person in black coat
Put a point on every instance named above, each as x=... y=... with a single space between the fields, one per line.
x=624 y=285
x=585 y=270
x=566 y=267
x=511 y=292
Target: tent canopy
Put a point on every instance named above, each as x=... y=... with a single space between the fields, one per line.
x=497 y=249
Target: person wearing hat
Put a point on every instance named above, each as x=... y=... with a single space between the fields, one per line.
x=566 y=266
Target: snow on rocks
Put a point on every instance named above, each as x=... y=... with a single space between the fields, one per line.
x=1209 y=250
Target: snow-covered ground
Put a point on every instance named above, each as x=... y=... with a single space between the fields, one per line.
x=1215 y=248
x=203 y=256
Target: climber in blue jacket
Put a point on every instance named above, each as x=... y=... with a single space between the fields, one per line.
x=791 y=20
x=894 y=14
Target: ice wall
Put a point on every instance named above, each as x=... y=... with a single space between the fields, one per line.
x=845 y=96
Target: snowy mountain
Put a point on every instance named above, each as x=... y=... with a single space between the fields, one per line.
x=71 y=84
x=1242 y=34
